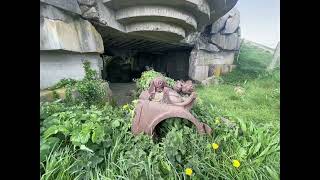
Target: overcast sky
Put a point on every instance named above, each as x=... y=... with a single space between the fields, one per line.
x=260 y=21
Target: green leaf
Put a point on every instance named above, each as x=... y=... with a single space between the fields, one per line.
x=242 y=153
x=98 y=135
x=75 y=137
x=264 y=152
x=115 y=124
x=51 y=131
x=63 y=130
x=257 y=148
x=242 y=125
x=84 y=135
x=178 y=158
x=85 y=148
x=165 y=167
x=273 y=174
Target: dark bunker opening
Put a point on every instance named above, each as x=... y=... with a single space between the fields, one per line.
x=172 y=63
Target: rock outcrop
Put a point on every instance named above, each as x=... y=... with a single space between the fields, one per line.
x=66 y=40
x=215 y=47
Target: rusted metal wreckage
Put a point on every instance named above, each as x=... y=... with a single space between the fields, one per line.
x=160 y=102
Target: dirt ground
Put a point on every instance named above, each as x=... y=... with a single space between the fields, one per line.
x=122 y=92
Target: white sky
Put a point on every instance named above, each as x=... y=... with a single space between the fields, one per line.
x=260 y=21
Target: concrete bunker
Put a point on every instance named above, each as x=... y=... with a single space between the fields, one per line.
x=164 y=35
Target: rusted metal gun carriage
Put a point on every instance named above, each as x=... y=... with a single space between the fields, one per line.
x=160 y=102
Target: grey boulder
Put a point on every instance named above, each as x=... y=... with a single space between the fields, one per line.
x=228 y=42
x=68 y=5
x=232 y=23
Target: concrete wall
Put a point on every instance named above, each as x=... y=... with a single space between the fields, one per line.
x=66 y=40
x=200 y=62
x=215 y=47
x=56 y=65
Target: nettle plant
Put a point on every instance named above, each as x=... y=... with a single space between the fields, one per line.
x=89 y=91
x=90 y=131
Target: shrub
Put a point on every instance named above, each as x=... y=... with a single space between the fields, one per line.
x=144 y=81
x=89 y=91
x=63 y=83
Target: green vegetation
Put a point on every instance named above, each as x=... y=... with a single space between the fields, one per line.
x=63 y=83
x=87 y=141
x=146 y=77
x=89 y=91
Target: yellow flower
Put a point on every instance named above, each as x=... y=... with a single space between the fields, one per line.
x=188 y=171
x=215 y=146
x=125 y=106
x=236 y=163
x=217 y=120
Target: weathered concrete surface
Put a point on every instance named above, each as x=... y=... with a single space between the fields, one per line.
x=89 y=26
x=182 y=16
x=91 y=13
x=219 y=24
x=206 y=11
x=68 y=5
x=201 y=44
x=156 y=27
x=233 y=22
x=215 y=47
x=61 y=31
x=200 y=62
x=203 y=58
x=200 y=8
x=107 y=19
x=79 y=36
x=54 y=13
x=87 y=2
x=228 y=42
x=157 y=13
x=226 y=31
x=114 y=18
x=198 y=73
x=56 y=65
x=66 y=40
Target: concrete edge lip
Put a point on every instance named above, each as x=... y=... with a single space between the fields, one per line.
x=201 y=5
x=157 y=27
x=204 y=11
x=156 y=11
x=200 y=9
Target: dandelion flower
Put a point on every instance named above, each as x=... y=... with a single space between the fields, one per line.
x=215 y=146
x=217 y=120
x=236 y=163
x=188 y=171
x=125 y=106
